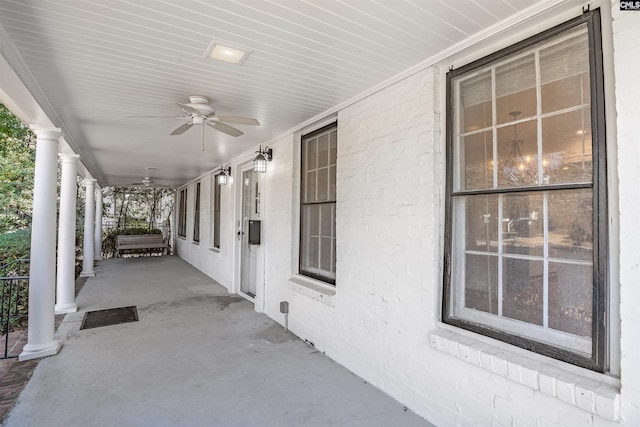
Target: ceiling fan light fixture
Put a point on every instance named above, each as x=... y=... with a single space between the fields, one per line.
x=232 y=55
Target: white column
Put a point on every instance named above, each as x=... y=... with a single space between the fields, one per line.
x=87 y=249
x=66 y=283
x=97 y=235
x=42 y=273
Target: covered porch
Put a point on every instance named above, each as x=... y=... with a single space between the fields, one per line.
x=197 y=356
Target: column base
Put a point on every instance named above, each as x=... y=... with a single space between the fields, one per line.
x=43 y=350
x=87 y=274
x=66 y=308
x=98 y=258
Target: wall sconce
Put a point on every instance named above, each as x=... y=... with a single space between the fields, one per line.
x=223 y=177
x=260 y=162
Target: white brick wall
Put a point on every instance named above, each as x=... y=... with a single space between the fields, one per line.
x=626 y=44
x=216 y=264
x=382 y=321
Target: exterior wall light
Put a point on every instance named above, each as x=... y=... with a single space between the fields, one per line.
x=260 y=162
x=223 y=177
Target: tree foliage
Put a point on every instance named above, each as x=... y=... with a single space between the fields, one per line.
x=138 y=206
x=17 y=165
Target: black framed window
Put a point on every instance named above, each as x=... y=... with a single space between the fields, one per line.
x=196 y=215
x=216 y=211
x=318 y=204
x=526 y=212
x=182 y=213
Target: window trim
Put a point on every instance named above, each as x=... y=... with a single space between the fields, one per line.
x=599 y=360
x=301 y=204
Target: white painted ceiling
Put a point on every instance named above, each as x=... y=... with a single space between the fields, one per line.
x=93 y=64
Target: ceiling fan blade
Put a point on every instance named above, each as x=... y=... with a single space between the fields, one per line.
x=157 y=117
x=182 y=129
x=239 y=120
x=189 y=110
x=229 y=130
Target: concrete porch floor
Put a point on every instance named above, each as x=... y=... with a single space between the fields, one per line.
x=198 y=356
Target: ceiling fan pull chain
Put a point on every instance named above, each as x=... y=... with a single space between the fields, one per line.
x=202 y=136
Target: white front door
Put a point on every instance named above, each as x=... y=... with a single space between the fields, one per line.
x=250 y=211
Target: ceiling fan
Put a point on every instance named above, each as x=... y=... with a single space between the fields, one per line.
x=147 y=182
x=199 y=112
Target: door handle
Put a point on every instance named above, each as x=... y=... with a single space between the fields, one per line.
x=240 y=234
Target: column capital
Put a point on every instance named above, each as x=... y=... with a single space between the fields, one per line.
x=68 y=158
x=89 y=181
x=46 y=132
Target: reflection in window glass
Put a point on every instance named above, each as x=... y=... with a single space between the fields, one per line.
x=523 y=290
x=478 y=161
x=516 y=89
x=475 y=96
x=518 y=155
x=482 y=223
x=566 y=147
x=481 y=292
x=570 y=298
x=571 y=225
x=523 y=224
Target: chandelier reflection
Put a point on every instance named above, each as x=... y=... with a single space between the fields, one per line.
x=518 y=169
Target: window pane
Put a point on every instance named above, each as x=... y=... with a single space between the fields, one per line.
x=481 y=283
x=475 y=102
x=564 y=73
x=326 y=247
x=518 y=155
x=323 y=184
x=323 y=150
x=478 y=161
x=310 y=187
x=332 y=183
x=516 y=89
x=326 y=219
x=523 y=224
x=571 y=224
x=317 y=252
x=333 y=147
x=522 y=290
x=566 y=147
x=570 y=298
x=310 y=226
x=482 y=223
x=310 y=149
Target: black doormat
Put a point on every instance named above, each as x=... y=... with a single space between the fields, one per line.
x=108 y=317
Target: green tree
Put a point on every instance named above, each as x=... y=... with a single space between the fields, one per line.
x=17 y=164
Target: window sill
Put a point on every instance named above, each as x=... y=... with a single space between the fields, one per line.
x=314 y=289
x=215 y=251
x=181 y=238
x=195 y=243
x=592 y=392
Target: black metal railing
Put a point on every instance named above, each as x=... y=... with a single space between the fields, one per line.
x=14 y=299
